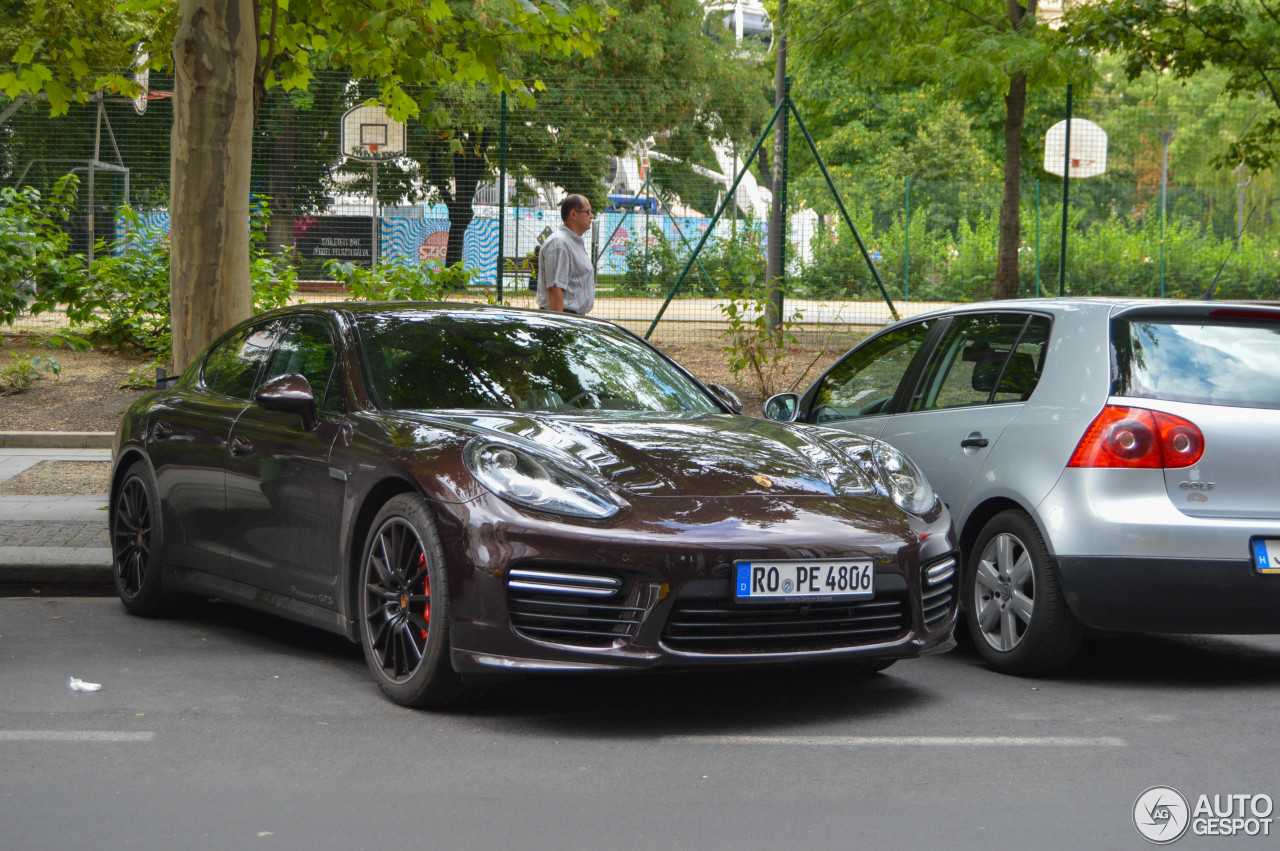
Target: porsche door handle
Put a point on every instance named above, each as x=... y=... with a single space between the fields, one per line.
x=241 y=446
x=974 y=442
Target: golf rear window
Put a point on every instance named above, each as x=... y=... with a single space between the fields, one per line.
x=1232 y=363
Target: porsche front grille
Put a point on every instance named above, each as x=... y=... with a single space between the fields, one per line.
x=578 y=609
x=722 y=626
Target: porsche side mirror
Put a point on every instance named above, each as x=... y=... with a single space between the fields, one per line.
x=724 y=394
x=784 y=407
x=289 y=394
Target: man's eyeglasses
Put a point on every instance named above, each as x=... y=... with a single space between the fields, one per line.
x=588 y=212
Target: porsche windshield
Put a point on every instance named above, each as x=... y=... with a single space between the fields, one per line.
x=467 y=360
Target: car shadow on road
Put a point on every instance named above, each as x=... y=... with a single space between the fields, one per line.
x=273 y=633
x=1185 y=661
x=1188 y=661
x=760 y=699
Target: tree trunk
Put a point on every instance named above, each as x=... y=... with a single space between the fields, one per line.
x=1006 y=285
x=214 y=51
x=469 y=168
x=280 y=238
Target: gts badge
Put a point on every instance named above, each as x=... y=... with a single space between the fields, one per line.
x=1195 y=486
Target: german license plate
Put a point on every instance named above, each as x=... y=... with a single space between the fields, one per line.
x=1266 y=555
x=804 y=580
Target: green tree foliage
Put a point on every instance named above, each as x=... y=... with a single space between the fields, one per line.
x=657 y=74
x=1200 y=126
x=1238 y=37
x=972 y=49
x=66 y=50
x=397 y=43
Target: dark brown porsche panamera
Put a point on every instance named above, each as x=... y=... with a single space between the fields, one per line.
x=474 y=491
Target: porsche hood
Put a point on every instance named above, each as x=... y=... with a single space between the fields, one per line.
x=692 y=456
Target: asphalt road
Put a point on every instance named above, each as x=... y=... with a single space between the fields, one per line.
x=233 y=730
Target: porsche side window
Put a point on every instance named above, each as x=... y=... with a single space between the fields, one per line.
x=864 y=383
x=232 y=367
x=982 y=359
x=306 y=348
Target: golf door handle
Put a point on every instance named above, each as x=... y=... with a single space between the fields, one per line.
x=974 y=441
x=241 y=446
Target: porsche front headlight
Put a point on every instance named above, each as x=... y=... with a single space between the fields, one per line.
x=523 y=478
x=902 y=479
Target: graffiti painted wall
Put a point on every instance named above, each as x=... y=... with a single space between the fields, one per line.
x=419 y=240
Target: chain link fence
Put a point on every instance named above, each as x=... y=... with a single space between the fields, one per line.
x=481 y=185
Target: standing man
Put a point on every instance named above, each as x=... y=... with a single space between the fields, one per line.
x=566 y=279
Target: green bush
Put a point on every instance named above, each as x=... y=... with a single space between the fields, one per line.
x=126 y=294
x=125 y=300
x=37 y=272
x=399 y=282
x=1106 y=256
x=273 y=277
x=23 y=370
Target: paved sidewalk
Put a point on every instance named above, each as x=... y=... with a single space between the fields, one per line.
x=52 y=541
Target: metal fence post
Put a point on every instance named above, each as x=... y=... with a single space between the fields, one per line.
x=1066 y=187
x=502 y=192
x=1037 y=252
x=906 y=241
x=1162 y=200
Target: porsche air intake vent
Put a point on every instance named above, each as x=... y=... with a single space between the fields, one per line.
x=938 y=589
x=578 y=609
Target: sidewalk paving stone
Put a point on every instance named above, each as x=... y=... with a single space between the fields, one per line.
x=52 y=541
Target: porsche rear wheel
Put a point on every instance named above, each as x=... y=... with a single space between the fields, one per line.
x=404 y=608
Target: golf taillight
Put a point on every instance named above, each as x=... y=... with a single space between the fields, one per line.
x=1135 y=437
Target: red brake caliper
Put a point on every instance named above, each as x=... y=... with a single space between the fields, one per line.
x=426 y=590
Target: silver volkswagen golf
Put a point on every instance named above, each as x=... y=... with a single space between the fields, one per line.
x=1109 y=464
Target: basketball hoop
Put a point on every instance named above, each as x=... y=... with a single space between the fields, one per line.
x=370 y=135
x=1088 y=155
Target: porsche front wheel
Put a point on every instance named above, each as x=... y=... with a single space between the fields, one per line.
x=404 y=608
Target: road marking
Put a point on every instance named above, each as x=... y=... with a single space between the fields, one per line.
x=72 y=736
x=904 y=741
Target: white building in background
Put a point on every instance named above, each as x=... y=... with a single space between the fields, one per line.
x=1049 y=12
x=744 y=18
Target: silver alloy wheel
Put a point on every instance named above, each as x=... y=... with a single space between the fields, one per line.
x=1004 y=592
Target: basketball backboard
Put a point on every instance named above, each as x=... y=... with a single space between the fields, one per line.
x=1088 y=148
x=369 y=134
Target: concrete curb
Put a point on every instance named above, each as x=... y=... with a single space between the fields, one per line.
x=63 y=567
x=56 y=439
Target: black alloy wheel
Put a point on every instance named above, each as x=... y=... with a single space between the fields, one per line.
x=137 y=548
x=404 y=608
x=131 y=536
